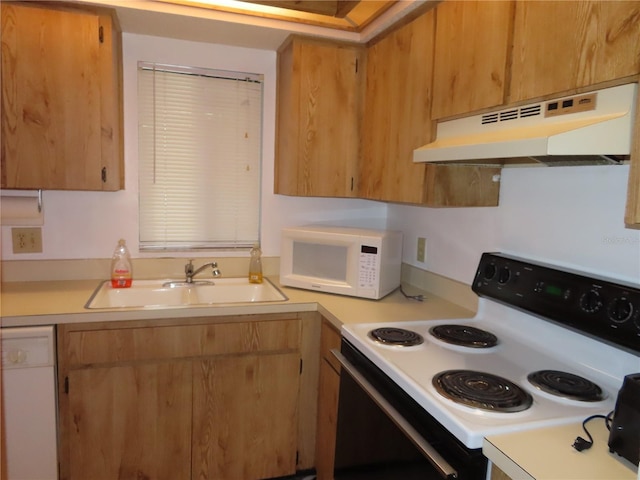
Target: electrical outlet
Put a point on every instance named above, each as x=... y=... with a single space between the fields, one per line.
x=27 y=240
x=422 y=250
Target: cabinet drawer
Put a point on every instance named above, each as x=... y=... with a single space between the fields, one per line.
x=96 y=346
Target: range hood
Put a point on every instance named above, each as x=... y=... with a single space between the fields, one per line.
x=586 y=129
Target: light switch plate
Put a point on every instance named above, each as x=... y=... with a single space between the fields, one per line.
x=27 y=240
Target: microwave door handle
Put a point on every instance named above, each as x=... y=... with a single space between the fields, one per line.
x=425 y=447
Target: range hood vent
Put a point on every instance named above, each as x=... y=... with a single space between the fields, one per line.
x=595 y=128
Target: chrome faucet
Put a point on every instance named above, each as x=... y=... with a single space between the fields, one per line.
x=190 y=272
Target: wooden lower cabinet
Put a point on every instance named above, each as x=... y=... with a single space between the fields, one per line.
x=244 y=411
x=497 y=474
x=328 y=389
x=130 y=422
x=168 y=399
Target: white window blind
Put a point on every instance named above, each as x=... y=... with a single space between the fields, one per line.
x=199 y=157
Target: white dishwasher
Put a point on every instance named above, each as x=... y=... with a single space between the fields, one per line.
x=29 y=401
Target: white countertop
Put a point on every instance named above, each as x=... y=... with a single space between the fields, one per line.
x=544 y=454
x=547 y=454
x=53 y=302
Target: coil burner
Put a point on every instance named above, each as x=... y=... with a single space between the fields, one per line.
x=482 y=390
x=396 y=336
x=464 y=335
x=566 y=385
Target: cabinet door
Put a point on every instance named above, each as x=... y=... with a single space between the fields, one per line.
x=318 y=118
x=130 y=422
x=560 y=46
x=245 y=416
x=328 y=390
x=397 y=118
x=632 y=210
x=58 y=116
x=471 y=50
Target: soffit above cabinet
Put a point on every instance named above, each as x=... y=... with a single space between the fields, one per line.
x=246 y=24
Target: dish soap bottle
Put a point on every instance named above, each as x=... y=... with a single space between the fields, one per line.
x=121 y=271
x=255 y=265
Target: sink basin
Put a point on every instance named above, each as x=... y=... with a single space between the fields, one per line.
x=156 y=294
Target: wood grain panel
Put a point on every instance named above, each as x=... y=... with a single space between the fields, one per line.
x=308 y=394
x=111 y=108
x=497 y=474
x=318 y=118
x=287 y=121
x=89 y=347
x=560 y=46
x=330 y=339
x=397 y=113
x=471 y=52
x=61 y=130
x=44 y=125
x=245 y=411
x=454 y=186
x=129 y=422
x=328 y=391
x=632 y=211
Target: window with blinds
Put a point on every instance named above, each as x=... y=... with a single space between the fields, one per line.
x=199 y=136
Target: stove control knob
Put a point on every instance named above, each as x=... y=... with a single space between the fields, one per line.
x=490 y=271
x=591 y=302
x=504 y=275
x=620 y=310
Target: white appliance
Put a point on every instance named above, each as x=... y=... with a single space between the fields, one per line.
x=29 y=402
x=348 y=261
x=581 y=333
x=590 y=128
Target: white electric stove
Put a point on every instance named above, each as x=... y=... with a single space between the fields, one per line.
x=580 y=334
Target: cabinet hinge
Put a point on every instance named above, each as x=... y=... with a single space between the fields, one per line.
x=101 y=34
x=103 y=174
x=66 y=385
x=300 y=366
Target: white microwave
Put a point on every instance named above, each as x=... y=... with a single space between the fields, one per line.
x=347 y=261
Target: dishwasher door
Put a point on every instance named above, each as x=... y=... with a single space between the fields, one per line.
x=29 y=401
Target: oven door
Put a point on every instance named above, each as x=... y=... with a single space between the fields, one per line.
x=382 y=433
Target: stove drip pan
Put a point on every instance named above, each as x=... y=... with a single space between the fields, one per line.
x=566 y=385
x=482 y=390
x=464 y=335
x=396 y=336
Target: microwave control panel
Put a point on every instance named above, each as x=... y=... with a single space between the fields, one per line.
x=369 y=267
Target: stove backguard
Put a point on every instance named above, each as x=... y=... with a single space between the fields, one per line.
x=593 y=306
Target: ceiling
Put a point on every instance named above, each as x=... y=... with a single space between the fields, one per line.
x=253 y=24
x=346 y=15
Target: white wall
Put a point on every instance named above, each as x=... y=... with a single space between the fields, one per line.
x=571 y=216
x=88 y=224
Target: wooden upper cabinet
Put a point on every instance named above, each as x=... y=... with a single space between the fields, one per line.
x=397 y=113
x=560 y=46
x=397 y=120
x=632 y=211
x=318 y=118
x=472 y=43
x=61 y=99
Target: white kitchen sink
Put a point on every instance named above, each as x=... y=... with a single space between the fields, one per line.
x=165 y=294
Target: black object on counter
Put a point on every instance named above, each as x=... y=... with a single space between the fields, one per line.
x=624 y=438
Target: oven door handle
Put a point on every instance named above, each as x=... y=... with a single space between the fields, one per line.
x=425 y=447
